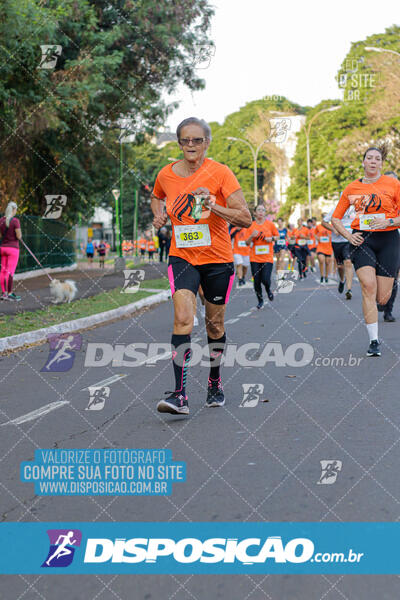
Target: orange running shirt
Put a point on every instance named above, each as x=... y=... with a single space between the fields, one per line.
x=150 y=246
x=303 y=232
x=324 y=242
x=262 y=251
x=142 y=243
x=204 y=240
x=291 y=236
x=311 y=243
x=381 y=197
x=239 y=242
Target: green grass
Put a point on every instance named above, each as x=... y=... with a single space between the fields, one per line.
x=55 y=314
x=156 y=284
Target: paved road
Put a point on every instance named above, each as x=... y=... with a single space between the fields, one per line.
x=259 y=463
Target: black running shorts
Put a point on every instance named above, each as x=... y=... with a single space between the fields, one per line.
x=380 y=250
x=341 y=250
x=216 y=279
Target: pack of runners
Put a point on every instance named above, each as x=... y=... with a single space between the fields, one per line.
x=214 y=235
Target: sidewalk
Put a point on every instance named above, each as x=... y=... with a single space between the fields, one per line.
x=35 y=293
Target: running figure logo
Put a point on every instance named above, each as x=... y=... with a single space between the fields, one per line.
x=54 y=208
x=98 y=397
x=63 y=543
x=329 y=471
x=50 y=56
x=62 y=352
x=279 y=130
x=251 y=394
x=133 y=278
x=202 y=55
x=286 y=281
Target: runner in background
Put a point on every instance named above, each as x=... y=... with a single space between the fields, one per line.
x=151 y=249
x=162 y=242
x=261 y=241
x=291 y=242
x=90 y=251
x=374 y=237
x=156 y=244
x=302 y=234
x=201 y=197
x=241 y=252
x=388 y=307
x=10 y=231
x=324 y=251
x=101 y=251
x=312 y=246
x=341 y=251
x=142 y=245
x=280 y=246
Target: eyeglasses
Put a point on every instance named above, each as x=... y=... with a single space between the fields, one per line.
x=195 y=141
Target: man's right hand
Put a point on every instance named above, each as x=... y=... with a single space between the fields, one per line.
x=160 y=220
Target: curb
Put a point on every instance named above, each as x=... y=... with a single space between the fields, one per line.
x=13 y=342
x=39 y=272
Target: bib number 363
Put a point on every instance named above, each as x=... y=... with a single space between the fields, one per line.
x=189 y=236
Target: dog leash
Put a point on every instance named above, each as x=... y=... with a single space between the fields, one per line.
x=40 y=265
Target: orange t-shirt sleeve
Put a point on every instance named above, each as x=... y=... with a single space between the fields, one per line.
x=397 y=193
x=229 y=183
x=158 y=191
x=274 y=229
x=342 y=205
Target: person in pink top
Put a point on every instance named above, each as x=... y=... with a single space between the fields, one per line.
x=10 y=232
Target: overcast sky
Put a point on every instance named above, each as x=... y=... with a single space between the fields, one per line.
x=280 y=47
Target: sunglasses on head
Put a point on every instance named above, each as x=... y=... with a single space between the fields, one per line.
x=195 y=141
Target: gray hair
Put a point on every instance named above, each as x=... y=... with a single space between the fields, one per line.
x=9 y=212
x=194 y=121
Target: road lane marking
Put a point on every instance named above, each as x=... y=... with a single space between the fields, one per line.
x=104 y=382
x=35 y=414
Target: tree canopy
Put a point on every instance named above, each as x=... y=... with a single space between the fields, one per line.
x=114 y=59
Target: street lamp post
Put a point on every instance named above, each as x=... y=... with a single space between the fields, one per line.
x=254 y=152
x=121 y=208
x=307 y=130
x=120 y=215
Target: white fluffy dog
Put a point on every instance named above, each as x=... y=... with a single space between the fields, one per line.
x=62 y=291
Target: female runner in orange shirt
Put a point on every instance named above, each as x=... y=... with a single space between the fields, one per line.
x=202 y=196
x=374 y=238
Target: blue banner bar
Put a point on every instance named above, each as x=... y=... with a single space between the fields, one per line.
x=213 y=548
